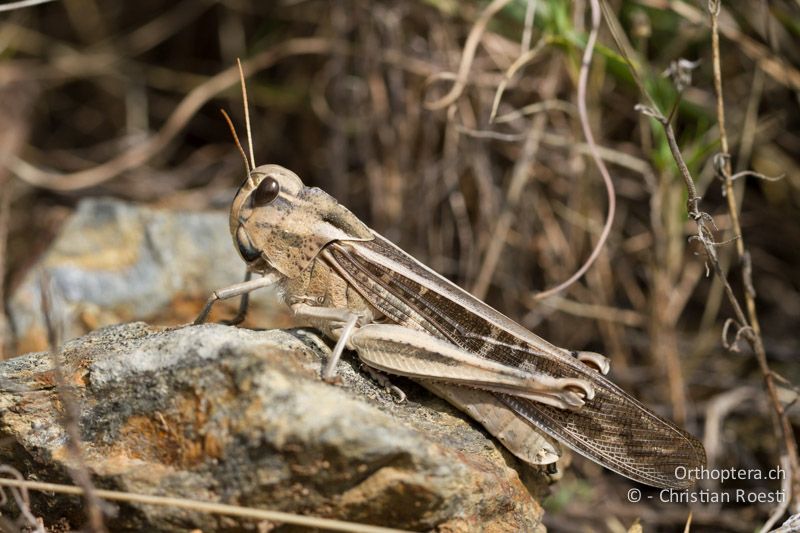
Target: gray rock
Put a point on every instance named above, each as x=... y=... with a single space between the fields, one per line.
x=238 y=416
x=116 y=262
x=225 y=414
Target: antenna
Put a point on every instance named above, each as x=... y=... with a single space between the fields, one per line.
x=238 y=144
x=246 y=115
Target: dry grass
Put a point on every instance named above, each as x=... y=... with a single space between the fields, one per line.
x=457 y=133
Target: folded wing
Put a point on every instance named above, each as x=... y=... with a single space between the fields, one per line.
x=611 y=428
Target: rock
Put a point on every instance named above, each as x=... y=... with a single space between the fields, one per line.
x=115 y=262
x=226 y=414
x=232 y=415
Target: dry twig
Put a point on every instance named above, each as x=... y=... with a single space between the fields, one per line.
x=203 y=507
x=583 y=113
x=174 y=124
x=21 y=498
x=5 y=213
x=70 y=418
x=467 y=56
x=705 y=237
x=751 y=328
x=11 y=6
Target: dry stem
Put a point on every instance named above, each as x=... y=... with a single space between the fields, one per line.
x=705 y=237
x=583 y=113
x=70 y=418
x=751 y=327
x=5 y=210
x=174 y=124
x=204 y=507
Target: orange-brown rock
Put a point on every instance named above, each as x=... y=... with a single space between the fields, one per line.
x=232 y=415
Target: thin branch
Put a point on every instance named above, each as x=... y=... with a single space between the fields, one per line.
x=470 y=47
x=519 y=178
x=205 y=507
x=752 y=324
x=750 y=328
x=527 y=32
x=780 y=71
x=520 y=62
x=21 y=498
x=758 y=175
x=605 y=313
x=5 y=214
x=11 y=6
x=583 y=80
x=490 y=134
x=626 y=50
x=791 y=524
x=70 y=417
x=191 y=103
x=532 y=109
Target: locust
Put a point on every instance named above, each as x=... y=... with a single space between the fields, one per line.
x=402 y=318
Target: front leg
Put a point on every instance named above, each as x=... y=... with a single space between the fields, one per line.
x=244 y=304
x=239 y=289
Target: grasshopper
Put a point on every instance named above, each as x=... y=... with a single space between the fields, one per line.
x=401 y=317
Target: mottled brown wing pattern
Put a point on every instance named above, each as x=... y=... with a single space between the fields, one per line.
x=613 y=428
x=454 y=313
x=616 y=431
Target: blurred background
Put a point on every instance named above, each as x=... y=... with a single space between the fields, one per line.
x=496 y=190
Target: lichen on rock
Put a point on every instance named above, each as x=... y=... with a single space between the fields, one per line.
x=227 y=414
x=231 y=415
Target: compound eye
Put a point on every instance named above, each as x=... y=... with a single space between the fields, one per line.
x=266 y=192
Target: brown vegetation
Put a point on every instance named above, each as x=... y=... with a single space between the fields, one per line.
x=455 y=130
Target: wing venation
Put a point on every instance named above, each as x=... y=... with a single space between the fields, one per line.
x=612 y=429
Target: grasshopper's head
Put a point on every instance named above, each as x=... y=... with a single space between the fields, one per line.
x=280 y=224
